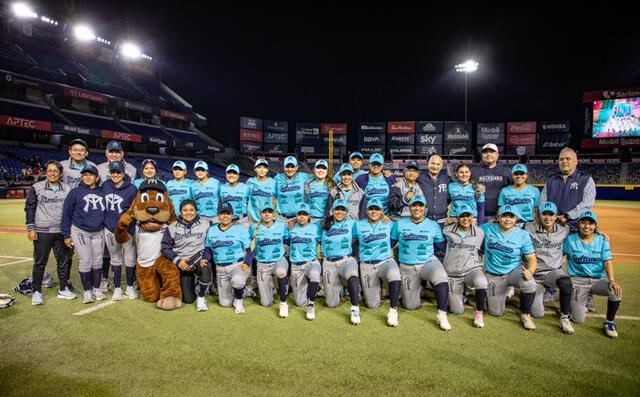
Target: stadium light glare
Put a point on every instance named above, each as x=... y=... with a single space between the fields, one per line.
x=130 y=50
x=469 y=66
x=84 y=33
x=22 y=10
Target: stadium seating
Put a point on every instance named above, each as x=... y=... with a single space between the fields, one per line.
x=27 y=110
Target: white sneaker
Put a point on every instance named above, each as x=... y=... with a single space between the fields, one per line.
x=392 y=317
x=117 y=294
x=131 y=292
x=238 y=304
x=87 y=297
x=104 y=285
x=478 y=320
x=66 y=294
x=311 y=312
x=527 y=322
x=510 y=292
x=284 y=310
x=609 y=328
x=355 y=315
x=37 y=299
x=99 y=295
x=443 y=321
x=201 y=304
x=565 y=325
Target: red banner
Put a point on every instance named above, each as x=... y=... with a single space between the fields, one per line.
x=521 y=140
x=408 y=127
x=521 y=127
x=603 y=95
x=18 y=122
x=588 y=143
x=174 y=115
x=250 y=135
x=88 y=95
x=338 y=129
x=121 y=136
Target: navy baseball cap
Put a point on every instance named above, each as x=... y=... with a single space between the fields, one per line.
x=116 y=166
x=376 y=158
x=345 y=168
x=149 y=161
x=339 y=203
x=588 y=215
x=267 y=206
x=466 y=209
x=180 y=164
x=225 y=207
x=321 y=163
x=114 y=145
x=548 y=206
x=411 y=164
x=418 y=198
x=374 y=202
x=261 y=162
x=233 y=168
x=79 y=141
x=90 y=168
x=201 y=164
x=290 y=160
x=152 y=184
x=519 y=168
x=304 y=207
x=356 y=154
x=508 y=209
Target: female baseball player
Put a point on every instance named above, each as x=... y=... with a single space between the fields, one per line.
x=262 y=190
x=119 y=193
x=43 y=210
x=316 y=191
x=521 y=196
x=417 y=237
x=376 y=184
x=350 y=192
x=376 y=260
x=338 y=264
x=465 y=191
x=229 y=248
x=504 y=245
x=235 y=193
x=183 y=243
x=404 y=189
x=179 y=188
x=290 y=189
x=463 y=263
x=355 y=161
x=149 y=170
x=205 y=192
x=306 y=271
x=588 y=260
x=82 y=226
x=269 y=237
x=547 y=236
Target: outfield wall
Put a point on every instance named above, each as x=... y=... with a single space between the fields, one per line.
x=614 y=192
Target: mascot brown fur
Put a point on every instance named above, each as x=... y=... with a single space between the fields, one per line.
x=150 y=211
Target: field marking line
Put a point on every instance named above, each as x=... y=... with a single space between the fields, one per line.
x=94 y=308
x=15 y=257
x=21 y=260
x=621 y=254
x=592 y=315
x=16 y=262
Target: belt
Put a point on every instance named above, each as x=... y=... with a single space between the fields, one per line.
x=336 y=258
x=375 y=262
x=302 y=263
x=229 y=263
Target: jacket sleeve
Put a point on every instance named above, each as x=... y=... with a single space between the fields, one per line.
x=362 y=181
x=67 y=214
x=330 y=200
x=167 y=246
x=363 y=207
x=391 y=180
x=30 y=208
x=396 y=201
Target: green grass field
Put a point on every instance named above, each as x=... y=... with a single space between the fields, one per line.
x=131 y=348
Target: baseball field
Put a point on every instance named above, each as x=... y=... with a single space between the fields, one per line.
x=132 y=348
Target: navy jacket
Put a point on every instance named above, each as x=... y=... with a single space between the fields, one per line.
x=117 y=201
x=494 y=179
x=84 y=208
x=435 y=192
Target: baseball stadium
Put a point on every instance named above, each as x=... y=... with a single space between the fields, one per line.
x=273 y=250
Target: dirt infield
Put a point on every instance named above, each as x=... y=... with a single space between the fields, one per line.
x=622 y=225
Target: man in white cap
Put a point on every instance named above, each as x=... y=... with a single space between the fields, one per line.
x=493 y=177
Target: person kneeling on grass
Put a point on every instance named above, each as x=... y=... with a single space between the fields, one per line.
x=183 y=244
x=588 y=260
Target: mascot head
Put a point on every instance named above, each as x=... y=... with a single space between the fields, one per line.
x=152 y=206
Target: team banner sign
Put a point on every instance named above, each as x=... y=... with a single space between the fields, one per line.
x=429 y=127
x=250 y=123
x=276 y=126
x=491 y=133
x=521 y=127
x=372 y=127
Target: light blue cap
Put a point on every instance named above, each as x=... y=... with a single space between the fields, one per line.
x=304 y=207
x=345 y=167
x=356 y=154
x=508 y=209
x=261 y=162
x=374 y=202
x=321 y=163
x=467 y=209
x=180 y=164
x=290 y=160
x=376 y=158
x=267 y=206
x=589 y=214
x=418 y=198
x=548 y=206
x=233 y=167
x=519 y=168
x=201 y=164
x=339 y=203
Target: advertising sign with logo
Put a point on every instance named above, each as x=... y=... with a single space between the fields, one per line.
x=595 y=143
x=402 y=139
x=401 y=127
x=276 y=137
x=429 y=127
x=250 y=135
x=491 y=133
x=428 y=139
x=521 y=140
x=395 y=150
x=521 y=150
x=121 y=136
x=521 y=127
x=174 y=115
x=372 y=127
x=372 y=139
x=369 y=150
x=88 y=95
x=553 y=143
x=457 y=150
x=601 y=95
x=274 y=148
x=457 y=132
x=428 y=149
x=338 y=140
x=250 y=123
x=19 y=122
x=250 y=147
x=276 y=126
x=555 y=126
x=338 y=128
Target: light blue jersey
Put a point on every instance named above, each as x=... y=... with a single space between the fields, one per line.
x=415 y=240
x=523 y=200
x=227 y=245
x=503 y=251
x=336 y=177
x=378 y=188
x=290 y=192
x=304 y=242
x=337 y=240
x=462 y=195
x=317 y=195
x=206 y=196
x=270 y=240
x=374 y=239
x=260 y=193
x=179 y=191
x=586 y=260
x=237 y=196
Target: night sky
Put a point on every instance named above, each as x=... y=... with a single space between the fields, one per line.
x=335 y=63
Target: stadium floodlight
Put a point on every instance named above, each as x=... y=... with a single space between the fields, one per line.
x=23 y=10
x=130 y=50
x=469 y=66
x=84 y=33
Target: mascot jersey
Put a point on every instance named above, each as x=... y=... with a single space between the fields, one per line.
x=148 y=245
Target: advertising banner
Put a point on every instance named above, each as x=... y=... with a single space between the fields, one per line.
x=276 y=126
x=250 y=123
x=88 y=95
x=121 y=136
x=553 y=143
x=174 y=115
x=250 y=135
x=338 y=140
x=428 y=149
x=372 y=127
x=250 y=147
x=401 y=127
x=429 y=127
x=457 y=150
x=140 y=107
x=395 y=150
x=19 y=122
x=338 y=128
x=276 y=137
x=457 y=132
x=521 y=140
x=521 y=127
x=595 y=143
x=521 y=150
x=275 y=148
x=402 y=139
x=369 y=150
x=491 y=133
x=555 y=126
x=372 y=139
x=602 y=95
x=71 y=129
x=428 y=139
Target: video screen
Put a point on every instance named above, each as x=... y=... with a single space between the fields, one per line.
x=616 y=118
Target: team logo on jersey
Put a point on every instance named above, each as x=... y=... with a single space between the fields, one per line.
x=289 y=188
x=374 y=237
x=585 y=259
x=521 y=200
x=93 y=200
x=113 y=200
x=221 y=243
x=414 y=236
x=373 y=191
x=336 y=231
x=461 y=197
x=442 y=188
x=201 y=195
x=574 y=186
x=269 y=241
x=260 y=193
x=499 y=247
x=175 y=192
x=301 y=240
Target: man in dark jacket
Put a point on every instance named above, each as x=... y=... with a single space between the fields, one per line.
x=493 y=177
x=434 y=188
